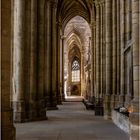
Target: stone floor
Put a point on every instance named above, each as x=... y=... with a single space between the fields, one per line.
x=71 y=122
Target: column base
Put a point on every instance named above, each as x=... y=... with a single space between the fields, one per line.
x=59 y=100
x=34 y=116
x=112 y=101
x=107 y=107
x=41 y=110
x=52 y=102
x=99 y=109
x=8 y=131
x=116 y=101
x=52 y=108
x=18 y=111
x=63 y=97
x=54 y=99
x=40 y=118
x=32 y=110
x=128 y=100
x=121 y=100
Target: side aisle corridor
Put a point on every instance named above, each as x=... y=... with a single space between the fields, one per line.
x=71 y=122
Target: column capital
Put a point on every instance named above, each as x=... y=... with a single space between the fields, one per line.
x=59 y=24
x=93 y=24
x=99 y=2
x=53 y=3
x=63 y=37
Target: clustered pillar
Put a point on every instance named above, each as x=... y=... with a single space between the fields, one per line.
x=36 y=76
x=62 y=62
x=116 y=57
x=108 y=46
x=97 y=51
x=59 y=65
x=18 y=59
x=7 y=128
x=35 y=60
x=114 y=52
x=134 y=116
x=53 y=55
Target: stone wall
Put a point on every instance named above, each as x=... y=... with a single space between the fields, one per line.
x=122 y=121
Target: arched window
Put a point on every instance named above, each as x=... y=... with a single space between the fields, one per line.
x=75 y=71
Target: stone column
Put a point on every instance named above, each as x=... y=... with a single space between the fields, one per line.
x=33 y=61
x=59 y=82
x=7 y=128
x=92 y=58
x=134 y=116
x=121 y=98
x=41 y=61
x=63 y=40
x=93 y=38
x=53 y=45
x=101 y=50
x=48 y=54
x=27 y=52
x=118 y=54
x=128 y=54
x=104 y=52
x=108 y=19
x=62 y=67
x=114 y=52
x=97 y=51
x=82 y=74
x=18 y=68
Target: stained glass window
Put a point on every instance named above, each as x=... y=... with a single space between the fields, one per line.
x=75 y=71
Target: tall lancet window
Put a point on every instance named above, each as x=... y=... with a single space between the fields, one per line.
x=75 y=71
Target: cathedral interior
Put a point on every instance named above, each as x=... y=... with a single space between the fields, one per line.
x=59 y=55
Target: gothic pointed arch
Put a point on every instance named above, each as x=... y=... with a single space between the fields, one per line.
x=68 y=9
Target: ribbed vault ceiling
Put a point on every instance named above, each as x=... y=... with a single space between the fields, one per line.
x=68 y=9
x=77 y=29
x=77 y=33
